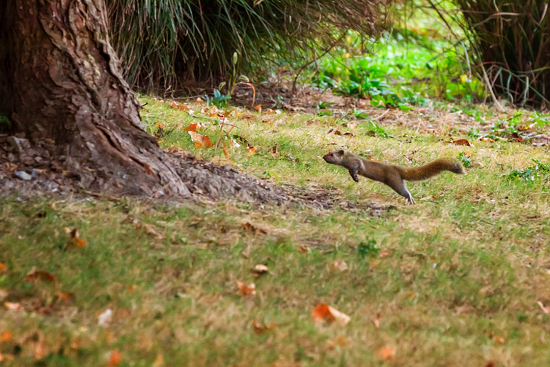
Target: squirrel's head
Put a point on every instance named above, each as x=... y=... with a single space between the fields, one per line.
x=334 y=157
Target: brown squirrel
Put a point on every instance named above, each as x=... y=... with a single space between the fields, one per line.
x=393 y=176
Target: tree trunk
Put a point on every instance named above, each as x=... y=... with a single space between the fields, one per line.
x=61 y=88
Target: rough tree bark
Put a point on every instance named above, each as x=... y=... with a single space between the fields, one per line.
x=61 y=87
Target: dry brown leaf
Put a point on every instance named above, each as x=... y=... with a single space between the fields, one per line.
x=488 y=140
x=199 y=100
x=3 y=294
x=115 y=358
x=200 y=141
x=303 y=249
x=13 y=306
x=159 y=361
x=385 y=353
x=132 y=288
x=251 y=151
x=499 y=339
x=258 y=108
x=250 y=228
x=33 y=276
x=260 y=269
x=260 y=329
x=246 y=289
x=384 y=254
x=340 y=265
x=75 y=241
x=151 y=230
x=460 y=142
x=329 y=314
x=179 y=106
x=65 y=297
x=5 y=336
x=3 y=268
x=546 y=310
x=193 y=127
x=38 y=350
x=376 y=321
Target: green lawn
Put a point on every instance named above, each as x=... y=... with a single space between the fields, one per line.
x=454 y=280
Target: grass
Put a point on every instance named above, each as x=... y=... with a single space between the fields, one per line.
x=464 y=270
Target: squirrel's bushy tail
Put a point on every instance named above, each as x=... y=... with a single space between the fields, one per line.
x=431 y=169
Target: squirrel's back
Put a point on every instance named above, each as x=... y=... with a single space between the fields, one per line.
x=431 y=169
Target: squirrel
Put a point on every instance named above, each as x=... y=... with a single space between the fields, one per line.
x=393 y=176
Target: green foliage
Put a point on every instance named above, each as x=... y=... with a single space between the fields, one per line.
x=368 y=248
x=465 y=159
x=170 y=44
x=530 y=174
x=376 y=130
x=4 y=120
x=401 y=71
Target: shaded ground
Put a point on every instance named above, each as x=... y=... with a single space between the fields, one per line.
x=30 y=172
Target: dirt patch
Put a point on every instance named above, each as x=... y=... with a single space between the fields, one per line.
x=28 y=171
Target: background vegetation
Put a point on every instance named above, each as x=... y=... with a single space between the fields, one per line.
x=168 y=44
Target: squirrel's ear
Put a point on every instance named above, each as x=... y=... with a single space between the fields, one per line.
x=340 y=152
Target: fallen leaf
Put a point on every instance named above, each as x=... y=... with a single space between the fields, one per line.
x=385 y=353
x=65 y=297
x=546 y=310
x=334 y=132
x=384 y=254
x=376 y=321
x=499 y=339
x=329 y=315
x=247 y=251
x=460 y=142
x=260 y=329
x=199 y=100
x=200 y=141
x=38 y=350
x=246 y=289
x=303 y=249
x=115 y=358
x=3 y=294
x=179 y=106
x=6 y=336
x=132 y=288
x=250 y=228
x=3 y=268
x=13 y=306
x=488 y=140
x=339 y=265
x=490 y=364
x=75 y=240
x=105 y=318
x=151 y=230
x=258 y=108
x=33 y=276
x=159 y=361
x=251 y=151
x=260 y=269
x=351 y=125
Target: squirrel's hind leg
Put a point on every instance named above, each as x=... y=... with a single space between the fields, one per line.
x=402 y=190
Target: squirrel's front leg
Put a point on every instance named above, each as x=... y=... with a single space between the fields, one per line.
x=353 y=173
